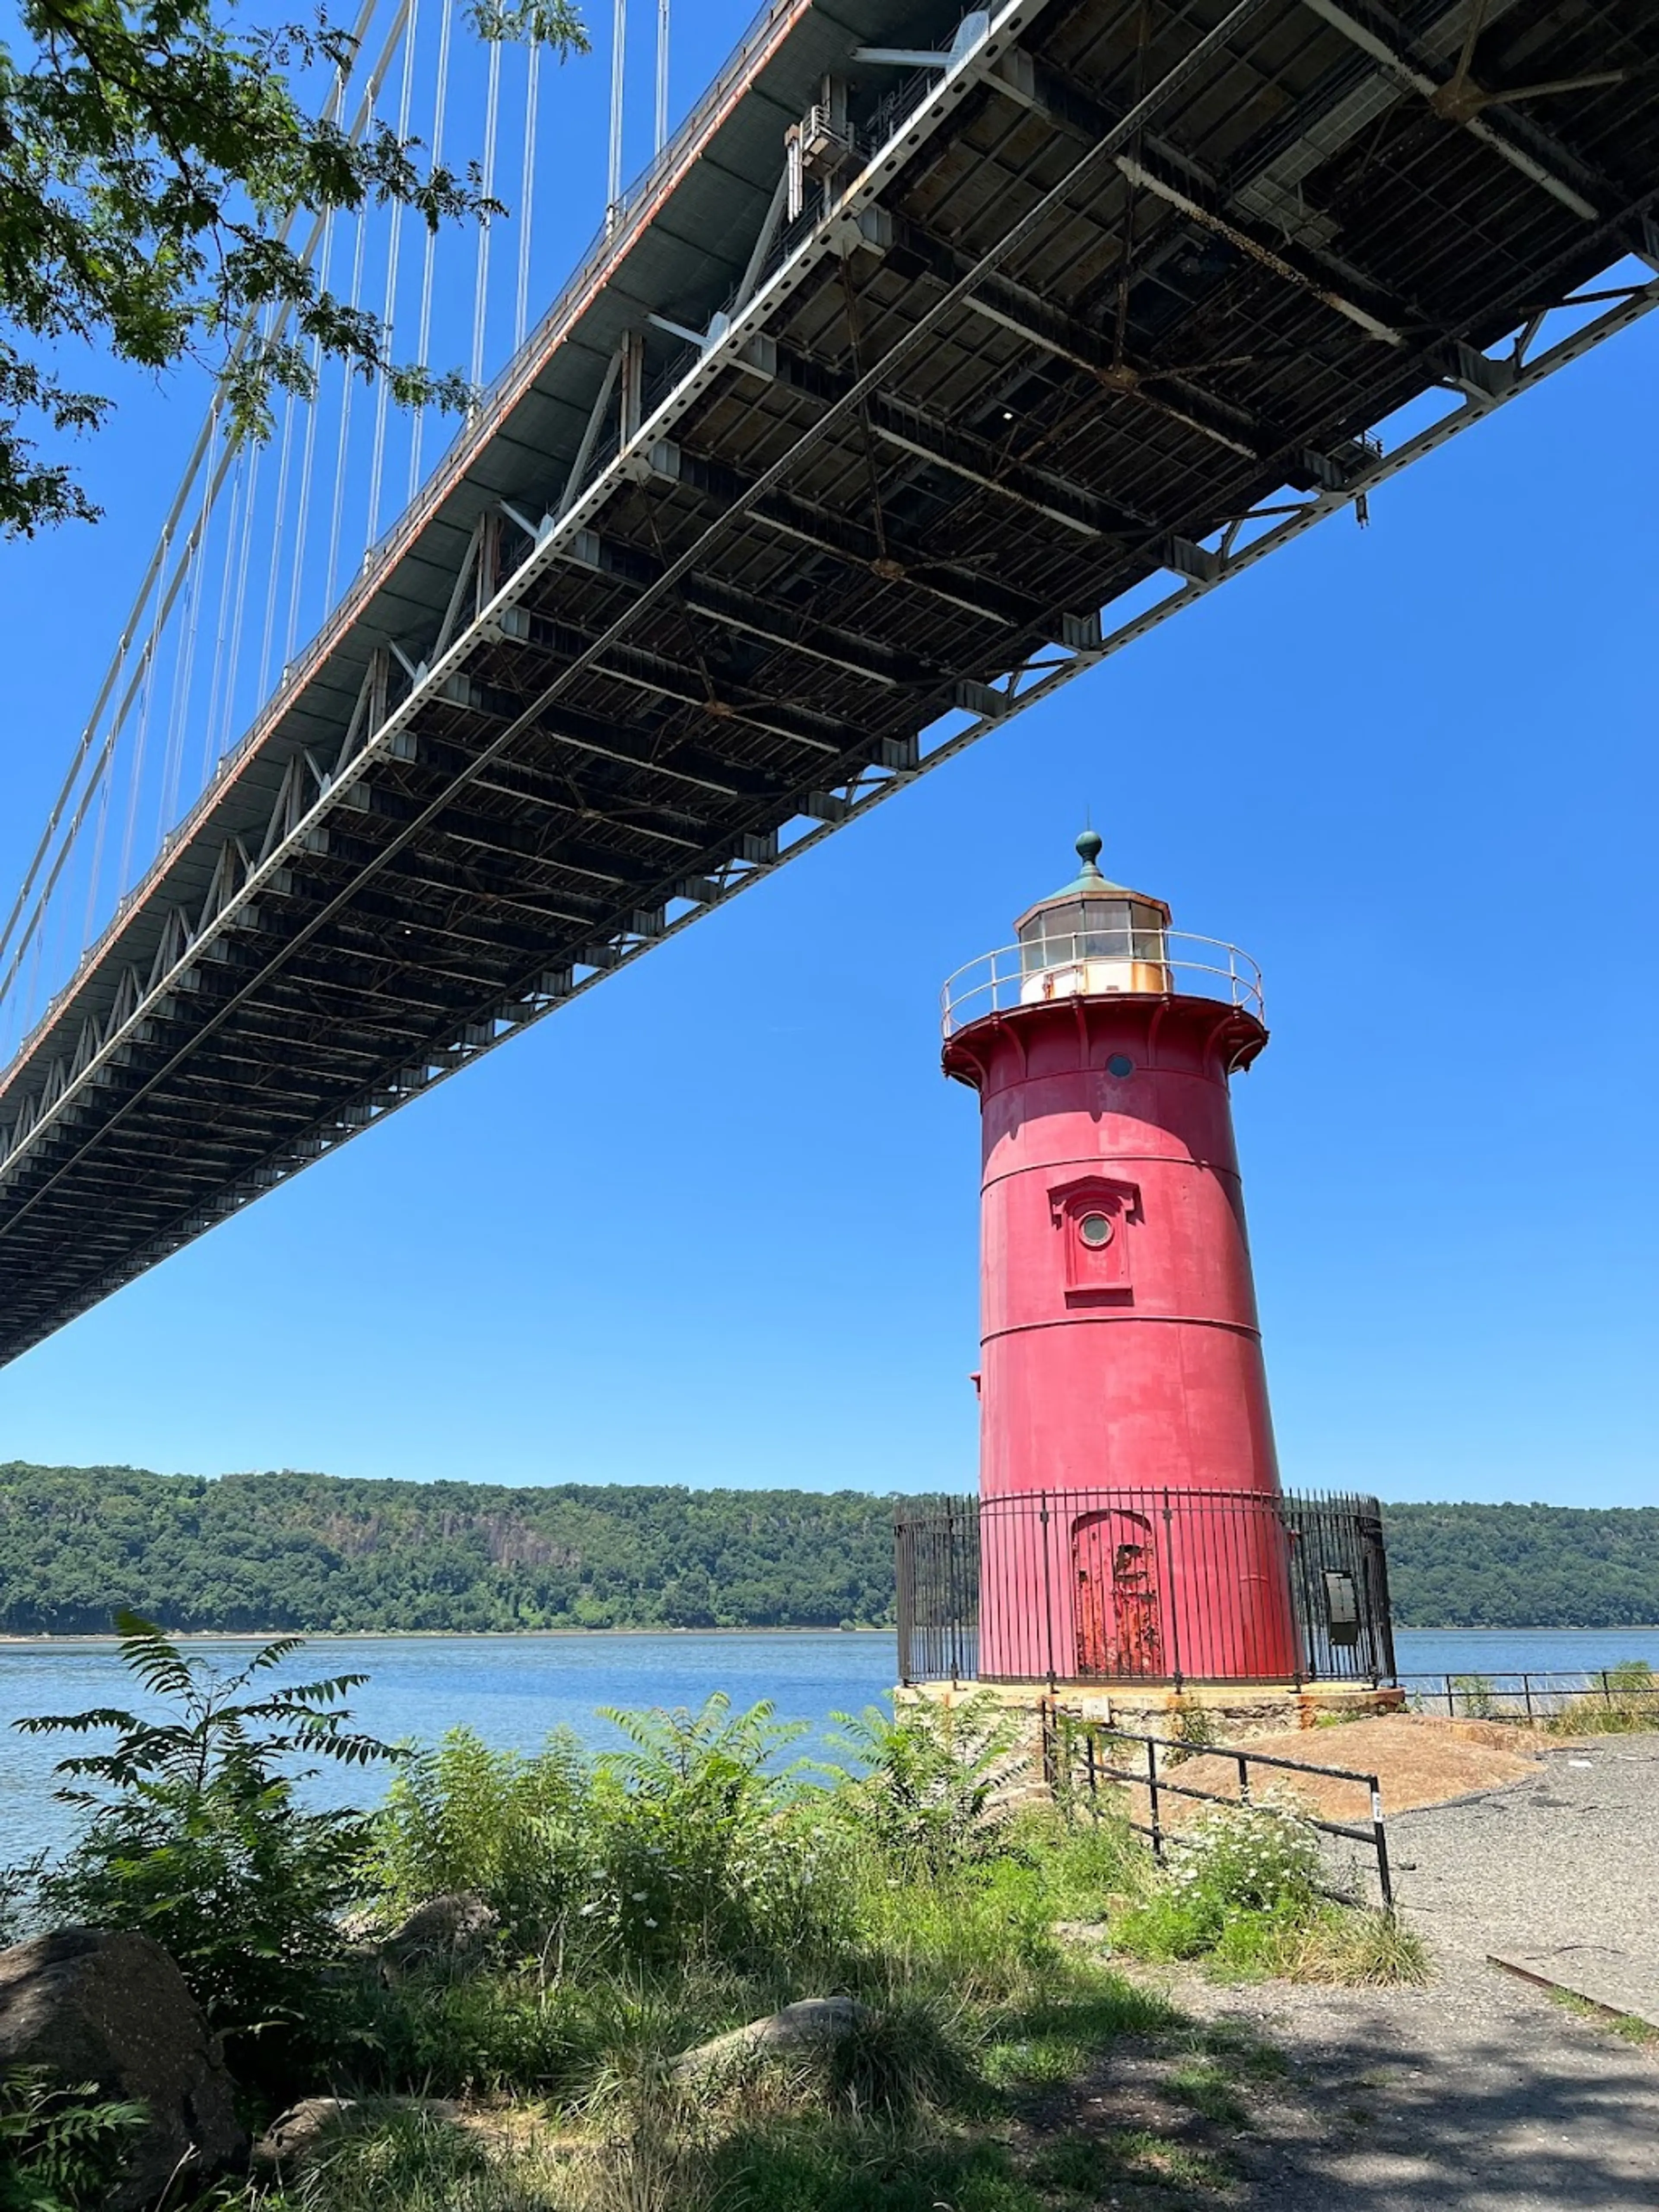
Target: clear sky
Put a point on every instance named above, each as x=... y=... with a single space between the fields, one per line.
x=715 y=1223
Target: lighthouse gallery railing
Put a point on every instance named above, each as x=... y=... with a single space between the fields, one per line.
x=1101 y=961
x=1102 y=1586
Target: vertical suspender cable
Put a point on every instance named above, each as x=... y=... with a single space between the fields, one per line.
x=662 y=76
x=107 y=782
x=279 y=521
x=348 y=382
x=183 y=670
x=147 y=582
x=211 y=720
x=526 y=193
x=302 y=513
x=388 y=314
x=146 y=671
x=481 y=287
x=618 y=56
x=227 y=729
x=440 y=95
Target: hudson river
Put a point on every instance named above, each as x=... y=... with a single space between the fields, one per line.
x=512 y=1689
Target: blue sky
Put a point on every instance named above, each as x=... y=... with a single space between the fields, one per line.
x=715 y=1223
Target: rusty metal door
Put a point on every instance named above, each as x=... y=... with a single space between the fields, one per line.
x=1114 y=1579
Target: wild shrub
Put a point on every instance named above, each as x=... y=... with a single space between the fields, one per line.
x=1476 y=1698
x=1627 y=1703
x=514 y=1828
x=195 y=1836
x=59 y=2146
x=1236 y=1880
x=692 y=1854
x=932 y=1778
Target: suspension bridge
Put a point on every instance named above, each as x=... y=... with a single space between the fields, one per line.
x=933 y=359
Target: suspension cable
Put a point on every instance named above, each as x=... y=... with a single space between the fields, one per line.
x=388 y=312
x=661 y=136
x=526 y=194
x=481 y=285
x=439 y=99
x=347 y=384
x=618 y=59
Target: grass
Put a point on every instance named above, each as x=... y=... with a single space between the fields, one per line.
x=961 y=2089
x=646 y=1903
x=1625 y=2025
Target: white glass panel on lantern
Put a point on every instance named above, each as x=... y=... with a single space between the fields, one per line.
x=1149 y=932
x=1106 y=929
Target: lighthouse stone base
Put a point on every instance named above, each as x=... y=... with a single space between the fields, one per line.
x=1228 y=1712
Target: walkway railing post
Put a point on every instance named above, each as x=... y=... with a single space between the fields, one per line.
x=1384 y=1881
x=1152 y=1819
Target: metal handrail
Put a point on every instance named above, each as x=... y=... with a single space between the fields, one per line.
x=1000 y=980
x=1098 y=1736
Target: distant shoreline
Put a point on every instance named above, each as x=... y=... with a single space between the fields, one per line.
x=428 y=1635
x=588 y=1635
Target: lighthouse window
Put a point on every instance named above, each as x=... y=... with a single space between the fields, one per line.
x=1120 y=1065
x=1096 y=1229
x=1106 y=929
x=1148 y=932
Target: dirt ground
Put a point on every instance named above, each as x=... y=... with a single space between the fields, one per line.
x=1417 y=1758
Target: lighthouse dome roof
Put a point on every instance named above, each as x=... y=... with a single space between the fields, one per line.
x=1090 y=882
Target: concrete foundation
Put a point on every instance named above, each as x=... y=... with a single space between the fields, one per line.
x=1229 y=1710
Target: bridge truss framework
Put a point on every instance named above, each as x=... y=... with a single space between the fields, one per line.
x=945 y=360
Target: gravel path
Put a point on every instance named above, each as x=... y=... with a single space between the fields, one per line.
x=1563 y=1867
x=1480 y=2093
x=1476 y=2095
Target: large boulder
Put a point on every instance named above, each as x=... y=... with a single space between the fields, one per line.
x=809 y=2024
x=85 y=2004
x=454 y=1930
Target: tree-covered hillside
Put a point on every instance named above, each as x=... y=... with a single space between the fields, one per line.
x=315 y=1552
x=1523 y=1566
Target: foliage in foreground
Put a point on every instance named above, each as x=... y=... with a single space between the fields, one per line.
x=156 y=153
x=60 y=2144
x=647 y=1899
x=195 y=1834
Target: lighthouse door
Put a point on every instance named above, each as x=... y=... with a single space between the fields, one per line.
x=1115 y=1576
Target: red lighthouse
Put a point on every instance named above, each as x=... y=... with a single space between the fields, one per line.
x=1129 y=1517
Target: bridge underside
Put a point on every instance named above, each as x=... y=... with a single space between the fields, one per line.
x=794 y=497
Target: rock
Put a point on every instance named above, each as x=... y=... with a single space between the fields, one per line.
x=293 y=2141
x=451 y=1930
x=1094 y=1933
x=292 y=2137
x=808 y=2024
x=86 y=2004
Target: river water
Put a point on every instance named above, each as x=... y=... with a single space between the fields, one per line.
x=513 y=1689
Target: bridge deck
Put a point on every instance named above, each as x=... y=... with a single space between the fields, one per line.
x=778 y=509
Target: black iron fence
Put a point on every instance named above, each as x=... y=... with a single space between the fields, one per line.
x=1596 y=1696
x=1143 y=1586
x=1083 y=1755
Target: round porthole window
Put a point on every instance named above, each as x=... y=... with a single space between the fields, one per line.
x=1094 y=1230
x=1120 y=1065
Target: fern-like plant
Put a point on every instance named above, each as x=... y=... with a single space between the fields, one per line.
x=59 y=2147
x=195 y=1834
x=685 y=1831
x=933 y=1777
